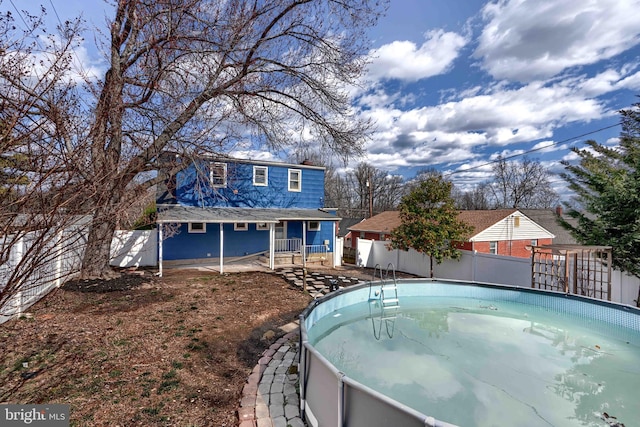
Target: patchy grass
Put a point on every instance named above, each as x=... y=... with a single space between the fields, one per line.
x=169 y=352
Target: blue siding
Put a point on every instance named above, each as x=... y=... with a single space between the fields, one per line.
x=318 y=237
x=193 y=187
x=185 y=245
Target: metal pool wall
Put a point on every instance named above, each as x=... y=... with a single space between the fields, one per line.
x=328 y=397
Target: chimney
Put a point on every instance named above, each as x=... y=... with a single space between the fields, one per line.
x=559 y=210
x=307 y=162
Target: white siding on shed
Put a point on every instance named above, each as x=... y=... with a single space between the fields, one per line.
x=505 y=229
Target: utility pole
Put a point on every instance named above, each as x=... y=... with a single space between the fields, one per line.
x=370 y=186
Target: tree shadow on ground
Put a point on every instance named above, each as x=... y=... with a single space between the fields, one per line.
x=125 y=282
x=261 y=338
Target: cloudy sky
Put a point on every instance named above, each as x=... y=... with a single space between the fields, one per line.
x=453 y=84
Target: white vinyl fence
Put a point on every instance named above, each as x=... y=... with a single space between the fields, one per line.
x=60 y=257
x=134 y=248
x=38 y=262
x=477 y=267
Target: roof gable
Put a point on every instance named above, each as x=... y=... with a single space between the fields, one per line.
x=514 y=226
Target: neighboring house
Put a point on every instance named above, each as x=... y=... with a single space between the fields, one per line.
x=548 y=218
x=345 y=233
x=378 y=227
x=502 y=231
x=224 y=208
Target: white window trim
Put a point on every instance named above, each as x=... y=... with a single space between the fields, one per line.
x=299 y=172
x=266 y=176
x=496 y=248
x=237 y=226
x=261 y=226
x=313 y=228
x=224 y=172
x=192 y=230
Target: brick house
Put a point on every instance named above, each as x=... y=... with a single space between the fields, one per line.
x=500 y=231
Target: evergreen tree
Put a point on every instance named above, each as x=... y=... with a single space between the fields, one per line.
x=607 y=184
x=430 y=223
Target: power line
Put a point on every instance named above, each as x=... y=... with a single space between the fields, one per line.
x=19 y=14
x=532 y=150
x=56 y=12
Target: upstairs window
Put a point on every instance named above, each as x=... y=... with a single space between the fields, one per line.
x=260 y=176
x=218 y=174
x=314 y=225
x=295 y=180
x=262 y=226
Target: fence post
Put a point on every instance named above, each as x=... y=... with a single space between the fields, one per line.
x=160 y=249
x=58 y=250
x=474 y=264
x=17 y=259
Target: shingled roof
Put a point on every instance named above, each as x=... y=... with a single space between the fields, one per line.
x=480 y=220
x=384 y=222
x=548 y=218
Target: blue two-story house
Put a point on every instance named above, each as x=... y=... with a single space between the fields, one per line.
x=217 y=209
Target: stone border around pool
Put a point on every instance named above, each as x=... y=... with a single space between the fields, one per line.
x=270 y=396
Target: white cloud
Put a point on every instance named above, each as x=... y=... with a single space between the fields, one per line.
x=459 y=131
x=81 y=67
x=602 y=83
x=612 y=142
x=631 y=82
x=545 y=147
x=253 y=154
x=87 y=67
x=526 y=40
x=404 y=60
x=608 y=81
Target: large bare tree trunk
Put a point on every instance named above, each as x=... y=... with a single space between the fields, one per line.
x=108 y=206
x=195 y=77
x=95 y=263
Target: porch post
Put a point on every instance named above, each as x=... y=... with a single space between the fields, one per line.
x=304 y=257
x=333 y=233
x=304 y=243
x=272 y=241
x=221 y=248
x=160 y=249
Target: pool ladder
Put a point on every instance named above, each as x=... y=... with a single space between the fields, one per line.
x=388 y=301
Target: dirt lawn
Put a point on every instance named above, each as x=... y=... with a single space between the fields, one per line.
x=143 y=351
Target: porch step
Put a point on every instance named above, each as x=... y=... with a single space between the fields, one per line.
x=293 y=259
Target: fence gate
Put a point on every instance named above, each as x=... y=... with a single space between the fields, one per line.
x=580 y=270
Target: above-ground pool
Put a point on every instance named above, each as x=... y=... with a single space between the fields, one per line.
x=469 y=355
